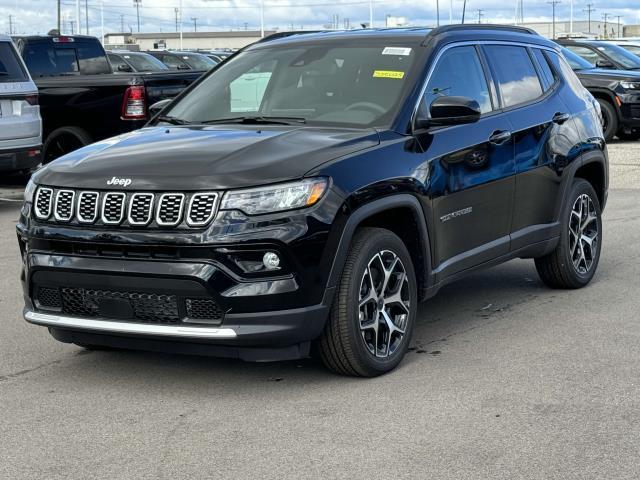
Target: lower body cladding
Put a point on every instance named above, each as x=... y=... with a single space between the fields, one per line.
x=13 y=160
x=163 y=306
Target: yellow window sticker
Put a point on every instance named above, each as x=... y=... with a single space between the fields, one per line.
x=387 y=74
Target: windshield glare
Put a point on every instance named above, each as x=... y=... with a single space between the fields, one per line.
x=620 y=55
x=327 y=84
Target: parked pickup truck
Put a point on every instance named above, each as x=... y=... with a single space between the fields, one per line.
x=81 y=99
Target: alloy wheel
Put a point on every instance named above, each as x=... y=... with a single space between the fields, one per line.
x=384 y=304
x=583 y=234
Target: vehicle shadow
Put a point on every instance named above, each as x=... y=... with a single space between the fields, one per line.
x=471 y=303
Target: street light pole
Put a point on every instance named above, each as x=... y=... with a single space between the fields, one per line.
x=464 y=9
x=195 y=23
x=137 y=4
x=618 y=17
x=606 y=17
x=553 y=4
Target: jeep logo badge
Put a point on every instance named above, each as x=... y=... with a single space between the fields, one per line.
x=123 y=182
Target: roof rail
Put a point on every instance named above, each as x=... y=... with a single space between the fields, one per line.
x=484 y=26
x=278 y=35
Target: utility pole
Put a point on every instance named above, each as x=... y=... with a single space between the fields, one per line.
x=261 y=18
x=553 y=4
x=437 y=13
x=72 y=24
x=86 y=16
x=589 y=10
x=180 y=24
x=137 y=4
x=571 y=16
x=176 y=12
x=59 y=31
x=606 y=17
x=464 y=9
x=10 y=24
x=480 y=15
x=195 y=23
x=618 y=17
x=77 y=15
x=122 y=22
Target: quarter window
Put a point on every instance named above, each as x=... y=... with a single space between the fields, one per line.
x=548 y=77
x=515 y=74
x=459 y=73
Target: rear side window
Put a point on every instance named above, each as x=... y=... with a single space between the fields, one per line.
x=92 y=59
x=459 y=73
x=515 y=74
x=44 y=60
x=174 y=63
x=565 y=70
x=10 y=68
x=116 y=62
x=548 y=76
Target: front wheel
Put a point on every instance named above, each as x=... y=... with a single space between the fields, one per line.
x=373 y=313
x=574 y=261
x=609 y=119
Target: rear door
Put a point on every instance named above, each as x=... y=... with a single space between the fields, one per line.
x=471 y=167
x=542 y=131
x=20 y=124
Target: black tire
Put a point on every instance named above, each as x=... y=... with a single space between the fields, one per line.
x=345 y=346
x=62 y=141
x=558 y=269
x=631 y=136
x=609 y=119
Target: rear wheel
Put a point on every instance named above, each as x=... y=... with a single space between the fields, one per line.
x=64 y=140
x=373 y=313
x=609 y=119
x=574 y=261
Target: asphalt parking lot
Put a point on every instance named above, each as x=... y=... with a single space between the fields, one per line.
x=506 y=380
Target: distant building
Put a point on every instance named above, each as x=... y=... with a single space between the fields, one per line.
x=580 y=28
x=190 y=40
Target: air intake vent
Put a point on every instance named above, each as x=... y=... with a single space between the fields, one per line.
x=170 y=209
x=202 y=208
x=42 y=206
x=113 y=208
x=63 y=210
x=87 y=207
x=140 y=208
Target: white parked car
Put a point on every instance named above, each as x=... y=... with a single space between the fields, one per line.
x=20 y=122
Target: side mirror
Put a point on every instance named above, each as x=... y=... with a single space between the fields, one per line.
x=450 y=111
x=158 y=106
x=124 y=68
x=604 y=64
x=184 y=66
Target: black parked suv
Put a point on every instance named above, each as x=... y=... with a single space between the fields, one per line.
x=617 y=92
x=313 y=189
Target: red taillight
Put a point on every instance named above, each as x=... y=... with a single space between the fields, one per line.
x=134 y=105
x=31 y=99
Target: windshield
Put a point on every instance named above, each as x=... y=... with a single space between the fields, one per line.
x=197 y=61
x=145 y=63
x=635 y=49
x=619 y=55
x=575 y=61
x=323 y=84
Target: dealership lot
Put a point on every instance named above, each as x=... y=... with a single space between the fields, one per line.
x=506 y=379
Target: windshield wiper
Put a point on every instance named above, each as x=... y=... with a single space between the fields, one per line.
x=172 y=120
x=259 y=120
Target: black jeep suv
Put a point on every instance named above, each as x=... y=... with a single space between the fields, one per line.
x=312 y=189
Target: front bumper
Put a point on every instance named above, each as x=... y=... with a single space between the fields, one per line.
x=20 y=159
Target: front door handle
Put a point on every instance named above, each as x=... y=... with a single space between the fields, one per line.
x=560 y=118
x=499 y=137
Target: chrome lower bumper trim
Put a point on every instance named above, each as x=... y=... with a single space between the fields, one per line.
x=108 y=326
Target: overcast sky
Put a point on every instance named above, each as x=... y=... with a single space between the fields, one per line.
x=38 y=16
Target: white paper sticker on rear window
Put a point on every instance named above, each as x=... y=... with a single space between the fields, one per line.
x=405 y=52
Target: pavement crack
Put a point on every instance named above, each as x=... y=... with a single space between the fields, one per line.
x=20 y=373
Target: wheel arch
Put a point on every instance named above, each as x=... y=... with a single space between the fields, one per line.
x=400 y=213
x=608 y=96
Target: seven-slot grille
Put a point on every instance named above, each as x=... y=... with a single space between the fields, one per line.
x=137 y=209
x=113 y=208
x=170 y=210
x=43 y=202
x=202 y=206
x=87 y=207
x=140 y=208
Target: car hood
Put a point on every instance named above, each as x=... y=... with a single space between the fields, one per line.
x=204 y=157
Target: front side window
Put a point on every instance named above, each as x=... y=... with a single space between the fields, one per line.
x=459 y=73
x=145 y=63
x=516 y=76
x=326 y=84
x=620 y=55
x=174 y=63
x=116 y=62
x=586 y=53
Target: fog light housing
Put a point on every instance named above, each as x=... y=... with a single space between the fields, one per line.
x=271 y=261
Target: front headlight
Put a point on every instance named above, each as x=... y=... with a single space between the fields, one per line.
x=630 y=85
x=276 y=198
x=29 y=190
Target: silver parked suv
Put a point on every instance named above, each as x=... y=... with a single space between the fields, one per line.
x=20 y=122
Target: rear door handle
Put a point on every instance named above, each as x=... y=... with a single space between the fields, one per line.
x=499 y=137
x=560 y=118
